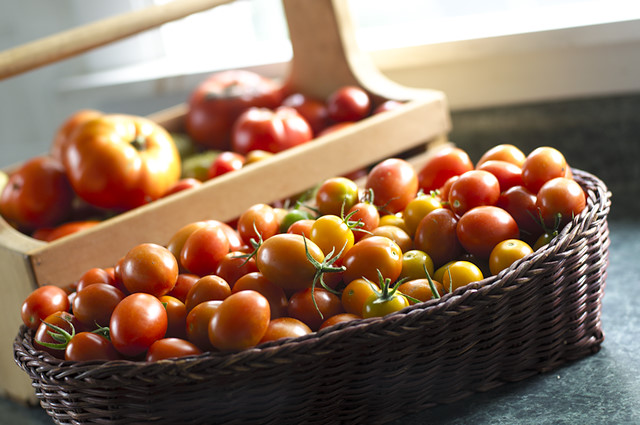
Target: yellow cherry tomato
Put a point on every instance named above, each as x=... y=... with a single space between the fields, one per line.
x=393 y=220
x=506 y=253
x=458 y=274
x=414 y=263
x=415 y=211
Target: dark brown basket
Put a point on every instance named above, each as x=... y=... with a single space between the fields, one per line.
x=534 y=317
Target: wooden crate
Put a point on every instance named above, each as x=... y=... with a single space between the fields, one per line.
x=325 y=57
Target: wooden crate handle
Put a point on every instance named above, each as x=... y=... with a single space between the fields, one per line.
x=86 y=37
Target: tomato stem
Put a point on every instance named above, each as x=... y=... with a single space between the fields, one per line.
x=139 y=143
x=326 y=266
x=62 y=336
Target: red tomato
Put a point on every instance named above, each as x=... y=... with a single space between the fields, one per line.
x=368 y=217
x=41 y=303
x=89 y=346
x=226 y=162
x=94 y=275
x=543 y=164
x=387 y=105
x=259 y=221
x=348 y=103
x=273 y=293
x=285 y=327
x=207 y=288
x=136 y=322
x=370 y=256
x=271 y=131
x=63 y=133
x=417 y=208
x=503 y=152
x=121 y=161
x=312 y=307
x=234 y=265
x=356 y=293
x=69 y=228
x=219 y=100
x=198 y=321
x=240 y=321
x=171 y=348
x=436 y=236
x=508 y=174
x=301 y=227
x=38 y=194
x=396 y=234
x=61 y=319
x=394 y=183
x=480 y=229
x=420 y=289
x=441 y=166
x=176 y=317
x=312 y=110
x=204 y=249
x=521 y=204
x=149 y=268
x=184 y=282
x=339 y=318
x=335 y=195
x=560 y=199
x=94 y=304
x=183 y=184
x=473 y=189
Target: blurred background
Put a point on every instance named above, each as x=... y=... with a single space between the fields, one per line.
x=481 y=54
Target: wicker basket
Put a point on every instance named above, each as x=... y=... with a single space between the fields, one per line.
x=533 y=317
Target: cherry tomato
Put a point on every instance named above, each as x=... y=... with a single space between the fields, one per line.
x=414 y=264
x=356 y=293
x=312 y=307
x=541 y=165
x=378 y=305
x=506 y=253
x=226 y=162
x=89 y=346
x=240 y=321
x=336 y=195
x=420 y=289
x=339 y=318
x=508 y=174
x=149 y=268
x=396 y=234
x=234 y=265
x=219 y=100
x=416 y=209
x=184 y=282
x=503 y=152
x=61 y=319
x=176 y=317
x=94 y=275
x=301 y=227
x=198 y=321
x=480 y=229
x=285 y=327
x=66 y=229
x=458 y=274
x=270 y=131
x=259 y=221
x=332 y=235
x=393 y=220
x=204 y=249
x=274 y=294
x=443 y=192
x=37 y=194
x=312 y=110
x=560 y=197
x=370 y=256
x=394 y=183
x=473 y=189
x=436 y=236
x=348 y=103
x=521 y=204
x=171 y=348
x=94 y=304
x=366 y=215
x=41 y=303
x=207 y=288
x=441 y=166
x=136 y=322
x=387 y=105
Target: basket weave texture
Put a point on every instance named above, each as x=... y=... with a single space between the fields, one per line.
x=534 y=317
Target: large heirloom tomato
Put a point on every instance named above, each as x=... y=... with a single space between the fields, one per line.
x=121 y=161
x=220 y=99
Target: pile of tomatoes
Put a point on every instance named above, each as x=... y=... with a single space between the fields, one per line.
x=404 y=236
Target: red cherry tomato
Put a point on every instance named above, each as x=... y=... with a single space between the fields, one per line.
x=441 y=166
x=312 y=110
x=436 y=236
x=176 y=317
x=521 y=204
x=171 y=348
x=207 y=288
x=394 y=183
x=198 y=321
x=204 y=249
x=339 y=318
x=88 y=346
x=480 y=229
x=508 y=174
x=259 y=221
x=149 y=268
x=503 y=152
x=184 y=282
x=285 y=327
x=560 y=199
x=276 y=296
x=387 y=105
x=541 y=165
x=234 y=265
x=370 y=256
x=348 y=103
x=61 y=319
x=94 y=304
x=473 y=189
x=336 y=195
x=66 y=229
x=226 y=162
x=41 y=303
x=313 y=307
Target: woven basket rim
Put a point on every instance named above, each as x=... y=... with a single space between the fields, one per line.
x=598 y=203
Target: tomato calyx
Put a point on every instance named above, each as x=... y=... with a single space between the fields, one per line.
x=387 y=291
x=326 y=266
x=63 y=337
x=139 y=143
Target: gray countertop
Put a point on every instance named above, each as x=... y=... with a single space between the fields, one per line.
x=599 y=136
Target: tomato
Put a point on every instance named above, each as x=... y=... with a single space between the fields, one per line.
x=336 y=196
x=396 y=234
x=61 y=319
x=292 y=216
x=94 y=275
x=458 y=274
x=258 y=222
x=420 y=289
x=387 y=105
x=416 y=209
x=184 y=282
x=385 y=302
x=171 y=348
x=443 y=192
x=149 y=268
x=436 y=236
x=503 y=152
x=270 y=131
x=37 y=194
x=366 y=215
x=285 y=327
x=183 y=184
x=234 y=265
x=136 y=322
x=313 y=306
x=441 y=166
x=301 y=227
x=356 y=293
x=176 y=317
x=68 y=228
x=219 y=100
x=70 y=124
x=339 y=318
x=204 y=249
x=370 y=256
x=240 y=321
x=198 y=321
x=506 y=253
x=41 y=303
x=393 y=220
x=560 y=197
x=226 y=162
x=473 y=189
x=521 y=204
x=348 y=103
x=312 y=110
x=121 y=161
x=94 y=304
x=541 y=165
x=89 y=346
x=207 y=288
x=508 y=174
x=332 y=235
x=480 y=229
x=394 y=183
x=416 y=264
x=274 y=294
